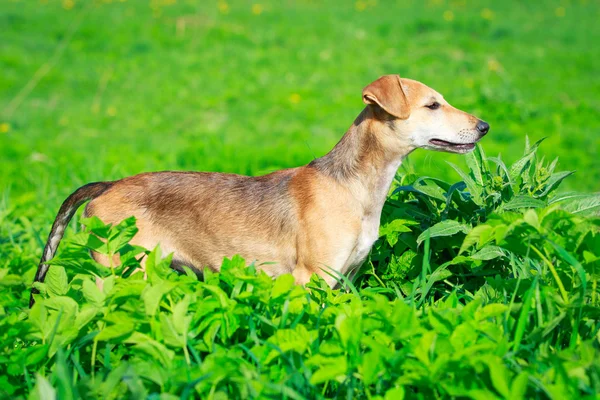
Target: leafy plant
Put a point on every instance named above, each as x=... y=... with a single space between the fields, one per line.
x=463 y=296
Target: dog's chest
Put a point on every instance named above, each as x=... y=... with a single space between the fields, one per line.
x=370 y=220
x=367 y=236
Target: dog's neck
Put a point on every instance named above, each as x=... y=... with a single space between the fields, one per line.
x=366 y=159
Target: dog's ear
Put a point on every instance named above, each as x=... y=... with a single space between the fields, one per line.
x=387 y=93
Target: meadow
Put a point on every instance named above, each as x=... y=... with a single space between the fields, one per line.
x=482 y=285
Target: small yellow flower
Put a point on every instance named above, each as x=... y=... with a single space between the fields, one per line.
x=325 y=55
x=488 y=14
x=360 y=5
x=68 y=4
x=560 y=12
x=4 y=127
x=38 y=157
x=111 y=111
x=223 y=7
x=448 y=15
x=257 y=9
x=295 y=98
x=494 y=65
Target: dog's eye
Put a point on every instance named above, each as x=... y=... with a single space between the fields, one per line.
x=433 y=106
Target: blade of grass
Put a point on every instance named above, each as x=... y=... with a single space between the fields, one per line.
x=559 y=283
x=524 y=315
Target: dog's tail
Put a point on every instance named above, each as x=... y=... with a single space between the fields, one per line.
x=66 y=212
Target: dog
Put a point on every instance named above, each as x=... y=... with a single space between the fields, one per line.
x=316 y=219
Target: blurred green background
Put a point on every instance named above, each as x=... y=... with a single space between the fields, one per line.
x=97 y=90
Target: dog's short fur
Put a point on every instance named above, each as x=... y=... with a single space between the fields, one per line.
x=305 y=220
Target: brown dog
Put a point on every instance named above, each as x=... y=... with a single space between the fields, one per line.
x=304 y=220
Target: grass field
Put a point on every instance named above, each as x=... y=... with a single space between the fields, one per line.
x=99 y=90
x=136 y=86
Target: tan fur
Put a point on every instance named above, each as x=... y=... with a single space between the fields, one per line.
x=320 y=217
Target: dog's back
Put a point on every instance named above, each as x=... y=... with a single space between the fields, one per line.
x=203 y=217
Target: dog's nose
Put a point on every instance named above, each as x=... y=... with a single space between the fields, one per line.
x=483 y=127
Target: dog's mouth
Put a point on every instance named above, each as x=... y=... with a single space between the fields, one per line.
x=460 y=147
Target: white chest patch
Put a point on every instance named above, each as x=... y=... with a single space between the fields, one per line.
x=369 y=231
x=368 y=235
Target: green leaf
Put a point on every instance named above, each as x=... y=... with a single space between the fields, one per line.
x=170 y=335
x=531 y=217
x=422 y=349
x=120 y=330
x=331 y=368
x=554 y=181
x=43 y=389
x=121 y=234
x=584 y=206
x=153 y=294
x=349 y=328
x=481 y=394
x=421 y=187
x=370 y=367
x=393 y=229
x=396 y=393
x=519 y=166
x=518 y=389
x=468 y=312
x=96 y=226
x=502 y=167
x=443 y=228
x=156 y=350
x=63 y=378
x=92 y=294
x=475 y=162
x=499 y=375
x=67 y=304
x=297 y=340
x=475 y=190
x=490 y=311
x=85 y=316
x=489 y=253
x=520 y=201
x=56 y=281
x=90 y=242
x=569 y=197
x=439 y=323
x=527 y=145
x=34 y=355
x=430 y=187
x=282 y=286
x=474 y=235
x=181 y=320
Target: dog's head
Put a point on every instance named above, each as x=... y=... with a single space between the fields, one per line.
x=423 y=116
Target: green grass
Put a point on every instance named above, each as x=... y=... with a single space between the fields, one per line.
x=98 y=90
x=250 y=93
